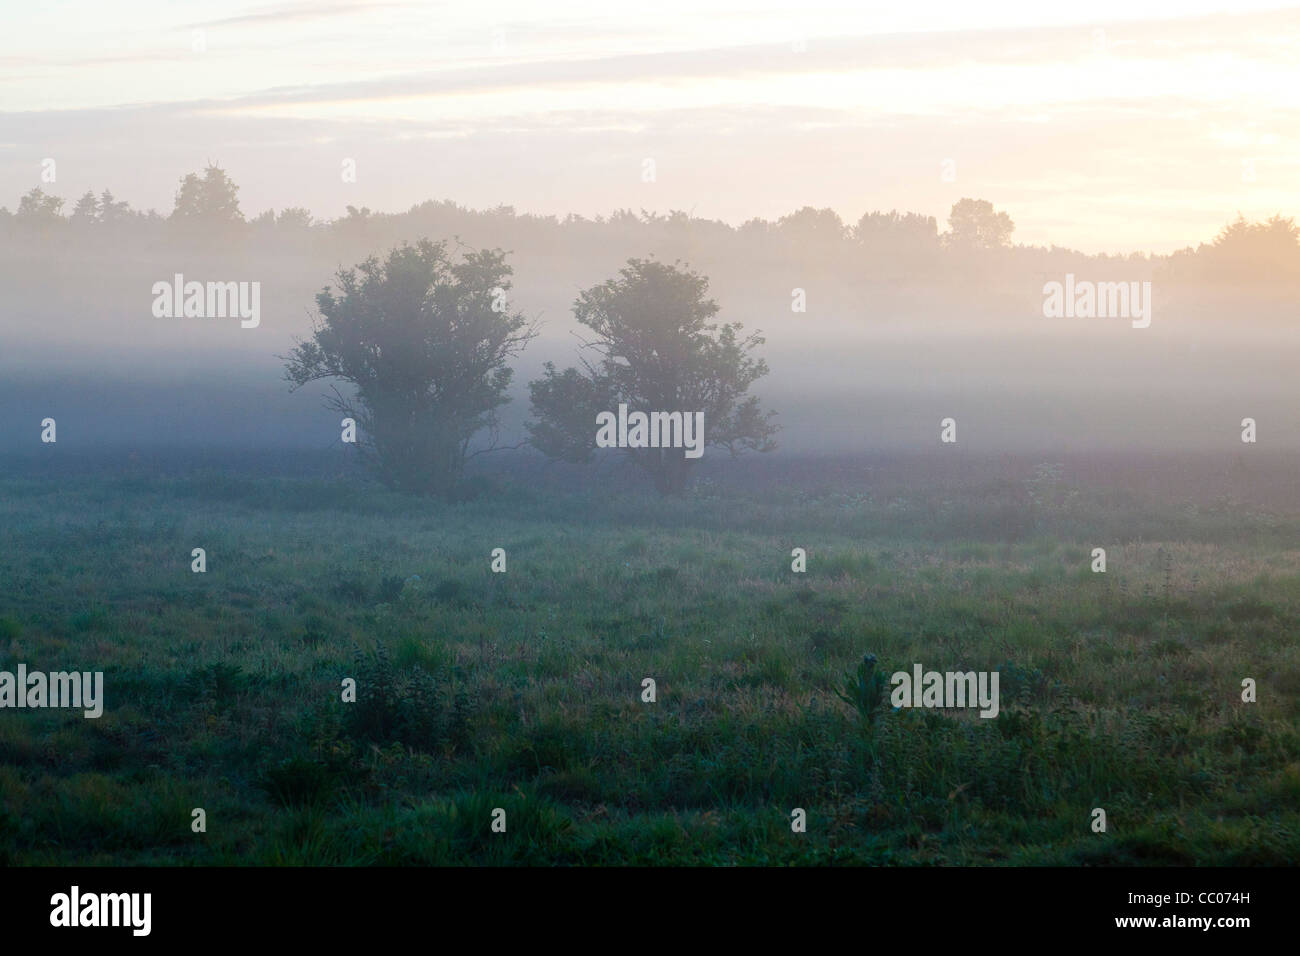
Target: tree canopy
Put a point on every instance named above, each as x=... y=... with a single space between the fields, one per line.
x=210 y=199
x=424 y=341
x=654 y=350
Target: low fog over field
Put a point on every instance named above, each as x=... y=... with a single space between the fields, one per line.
x=897 y=333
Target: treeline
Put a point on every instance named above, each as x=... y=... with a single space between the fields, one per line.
x=891 y=246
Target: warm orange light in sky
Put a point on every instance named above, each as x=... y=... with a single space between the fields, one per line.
x=1110 y=126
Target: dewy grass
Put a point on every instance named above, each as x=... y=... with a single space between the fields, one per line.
x=523 y=691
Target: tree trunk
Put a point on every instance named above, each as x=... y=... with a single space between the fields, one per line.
x=670 y=470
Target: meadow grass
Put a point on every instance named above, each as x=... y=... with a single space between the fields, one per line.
x=522 y=690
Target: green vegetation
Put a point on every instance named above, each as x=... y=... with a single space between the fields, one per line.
x=523 y=690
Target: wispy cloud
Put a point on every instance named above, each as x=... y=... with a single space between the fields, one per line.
x=297 y=13
x=1123 y=134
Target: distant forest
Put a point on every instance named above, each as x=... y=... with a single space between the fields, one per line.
x=978 y=241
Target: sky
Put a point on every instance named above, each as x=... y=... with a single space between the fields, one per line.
x=1106 y=127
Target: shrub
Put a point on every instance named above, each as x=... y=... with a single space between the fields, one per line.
x=408 y=705
x=864 y=689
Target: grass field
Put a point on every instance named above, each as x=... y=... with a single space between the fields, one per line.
x=522 y=690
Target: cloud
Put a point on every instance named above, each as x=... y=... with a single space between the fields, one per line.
x=1261 y=37
x=296 y=13
x=1258 y=37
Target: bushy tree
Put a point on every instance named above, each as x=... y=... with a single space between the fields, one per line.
x=39 y=208
x=655 y=350
x=975 y=225
x=113 y=212
x=895 y=243
x=86 y=211
x=815 y=226
x=210 y=200
x=294 y=219
x=910 y=232
x=1247 y=250
x=424 y=341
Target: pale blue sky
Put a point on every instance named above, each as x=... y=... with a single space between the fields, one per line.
x=1105 y=126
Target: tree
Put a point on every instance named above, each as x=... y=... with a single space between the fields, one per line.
x=424 y=341
x=895 y=243
x=294 y=219
x=655 y=351
x=975 y=224
x=1243 y=250
x=112 y=212
x=38 y=208
x=210 y=200
x=356 y=226
x=86 y=211
x=809 y=225
x=905 y=232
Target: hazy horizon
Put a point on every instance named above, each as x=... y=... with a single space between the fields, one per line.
x=1129 y=130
